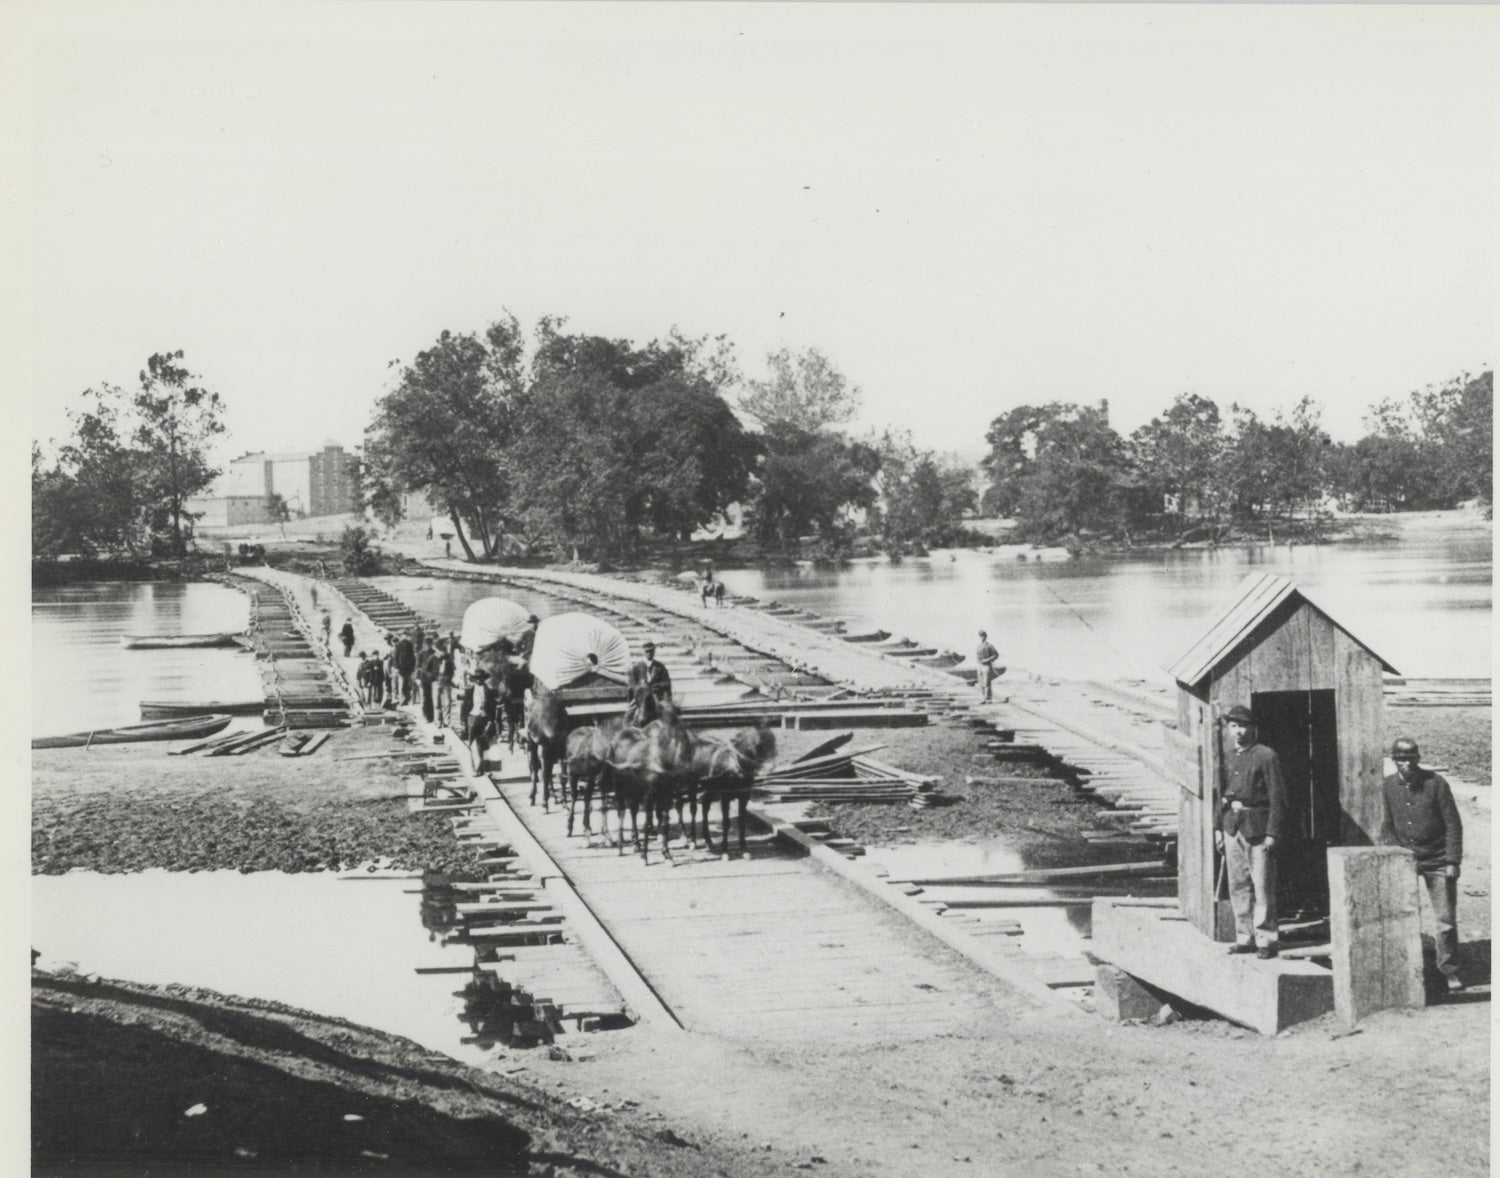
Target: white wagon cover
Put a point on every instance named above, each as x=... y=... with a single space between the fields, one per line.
x=490 y=619
x=564 y=642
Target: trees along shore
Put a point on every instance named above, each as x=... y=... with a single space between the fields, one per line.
x=560 y=445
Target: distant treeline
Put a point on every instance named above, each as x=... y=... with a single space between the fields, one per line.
x=1061 y=470
x=584 y=446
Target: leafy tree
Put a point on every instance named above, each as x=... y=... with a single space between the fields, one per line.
x=1380 y=472
x=1181 y=453
x=175 y=422
x=1058 y=468
x=445 y=429
x=1457 y=420
x=922 y=499
x=277 y=509
x=617 y=438
x=807 y=479
x=355 y=553
x=107 y=503
x=54 y=509
x=803 y=390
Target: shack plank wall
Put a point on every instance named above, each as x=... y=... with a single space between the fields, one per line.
x=1195 y=853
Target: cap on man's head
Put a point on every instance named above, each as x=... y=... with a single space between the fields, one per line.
x=481 y=674
x=1405 y=748
x=648 y=646
x=534 y=620
x=1239 y=714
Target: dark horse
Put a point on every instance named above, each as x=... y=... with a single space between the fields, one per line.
x=590 y=770
x=546 y=743
x=666 y=773
x=625 y=777
x=726 y=769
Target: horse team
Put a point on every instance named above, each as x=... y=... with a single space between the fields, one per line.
x=646 y=760
x=657 y=766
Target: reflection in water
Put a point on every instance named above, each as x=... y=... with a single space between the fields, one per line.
x=337 y=947
x=82 y=677
x=1130 y=616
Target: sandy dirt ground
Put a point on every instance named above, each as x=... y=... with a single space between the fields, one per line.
x=1017 y=1093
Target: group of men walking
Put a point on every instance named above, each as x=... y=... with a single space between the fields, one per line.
x=1419 y=814
x=414 y=666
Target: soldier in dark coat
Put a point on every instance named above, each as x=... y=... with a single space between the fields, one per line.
x=1250 y=823
x=1420 y=814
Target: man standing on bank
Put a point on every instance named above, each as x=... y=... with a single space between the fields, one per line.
x=1420 y=814
x=1250 y=817
x=987 y=656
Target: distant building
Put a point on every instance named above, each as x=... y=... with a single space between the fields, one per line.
x=227 y=511
x=311 y=483
x=333 y=482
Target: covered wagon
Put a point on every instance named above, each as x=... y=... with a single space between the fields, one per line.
x=583 y=658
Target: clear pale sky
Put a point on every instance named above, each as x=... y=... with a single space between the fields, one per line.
x=967 y=207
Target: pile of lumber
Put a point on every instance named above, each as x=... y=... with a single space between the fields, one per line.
x=1437 y=693
x=236 y=744
x=845 y=776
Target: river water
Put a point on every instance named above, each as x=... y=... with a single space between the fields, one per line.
x=1422 y=599
x=83 y=677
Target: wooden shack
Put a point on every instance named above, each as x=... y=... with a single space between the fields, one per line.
x=1317 y=696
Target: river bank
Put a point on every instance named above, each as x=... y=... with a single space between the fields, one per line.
x=1010 y=1094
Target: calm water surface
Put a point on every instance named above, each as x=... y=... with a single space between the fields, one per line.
x=83 y=677
x=350 y=952
x=1423 y=602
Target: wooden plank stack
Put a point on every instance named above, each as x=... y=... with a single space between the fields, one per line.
x=852 y=776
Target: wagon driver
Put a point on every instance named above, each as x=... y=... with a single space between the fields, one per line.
x=1250 y=821
x=650 y=683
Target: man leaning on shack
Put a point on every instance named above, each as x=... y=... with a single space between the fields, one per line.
x=1250 y=822
x=1420 y=815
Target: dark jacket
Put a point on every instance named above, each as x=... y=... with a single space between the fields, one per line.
x=404 y=659
x=1252 y=777
x=657 y=678
x=1423 y=816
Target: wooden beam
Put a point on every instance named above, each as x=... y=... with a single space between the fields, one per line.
x=1375 y=929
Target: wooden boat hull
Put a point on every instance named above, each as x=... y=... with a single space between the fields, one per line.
x=178 y=641
x=188 y=728
x=160 y=710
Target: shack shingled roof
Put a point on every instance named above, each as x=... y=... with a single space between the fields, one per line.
x=1259 y=594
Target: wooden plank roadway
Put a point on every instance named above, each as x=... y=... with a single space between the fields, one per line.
x=765 y=948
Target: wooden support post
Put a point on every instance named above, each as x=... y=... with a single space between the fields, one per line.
x=1375 y=929
x=1118 y=996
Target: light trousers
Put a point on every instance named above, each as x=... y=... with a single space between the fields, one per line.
x=1442 y=891
x=1251 y=869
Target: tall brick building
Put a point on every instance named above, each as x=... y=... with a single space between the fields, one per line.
x=333 y=482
